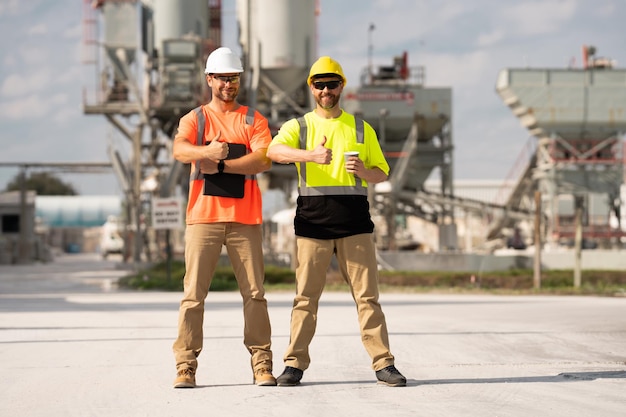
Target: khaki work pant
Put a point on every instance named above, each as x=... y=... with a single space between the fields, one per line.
x=357 y=262
x=203 y=245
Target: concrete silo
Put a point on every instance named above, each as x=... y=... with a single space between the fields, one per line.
x=175 y=19
x=181 y=29
x=278 y=43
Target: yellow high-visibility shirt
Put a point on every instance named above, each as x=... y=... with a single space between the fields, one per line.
x=340 y=137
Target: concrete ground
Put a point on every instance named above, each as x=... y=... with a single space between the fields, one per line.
x=73 y=345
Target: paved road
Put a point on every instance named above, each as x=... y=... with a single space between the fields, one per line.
x=72 y=345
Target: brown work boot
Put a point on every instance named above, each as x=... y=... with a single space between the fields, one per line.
x=263 y=377
x=185 y=378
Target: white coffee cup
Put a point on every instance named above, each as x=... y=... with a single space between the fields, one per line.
x=348 y=154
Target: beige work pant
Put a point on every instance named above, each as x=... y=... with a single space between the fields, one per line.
x=203 y=245
x=357 y=262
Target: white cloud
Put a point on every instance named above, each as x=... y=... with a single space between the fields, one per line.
x=17 y=84
x=605 y=9
x=449 y=10
x=9 y=7
x=460 y=70
x=73 y=32
x=39 y=57
x=72 y=77
x=538 y=17
x=63 y=110
x=491 y=38
x=38 y=29
x=33 y=104
x=26 y=107
x=64 y=115
x=9 y=60
x=58 y=99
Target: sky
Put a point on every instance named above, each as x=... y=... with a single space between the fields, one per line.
x=462 y=45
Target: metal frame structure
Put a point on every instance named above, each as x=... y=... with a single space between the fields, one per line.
x=577 y=118
x=143 y=89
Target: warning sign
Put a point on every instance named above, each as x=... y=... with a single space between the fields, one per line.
x=167 y=213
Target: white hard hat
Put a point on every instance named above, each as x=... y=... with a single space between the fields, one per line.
x=223 y=61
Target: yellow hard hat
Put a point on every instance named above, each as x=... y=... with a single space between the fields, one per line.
x=326 y=65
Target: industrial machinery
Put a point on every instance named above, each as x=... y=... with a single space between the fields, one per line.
x=578 y=118
x=148 y=60
x=413 y=123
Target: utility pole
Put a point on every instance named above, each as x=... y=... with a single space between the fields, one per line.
x=578 y=239
x=537 y=265
x=137 y=207
x=370 y=50
x=23 y=245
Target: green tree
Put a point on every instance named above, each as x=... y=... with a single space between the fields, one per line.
x=43 y=183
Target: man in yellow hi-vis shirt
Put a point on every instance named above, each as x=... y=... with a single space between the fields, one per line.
x=332 y=217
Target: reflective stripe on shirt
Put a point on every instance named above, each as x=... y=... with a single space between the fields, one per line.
x=196 y=174
x=308 y=191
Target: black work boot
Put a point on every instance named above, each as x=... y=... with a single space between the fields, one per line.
x=290 y=377
x=391 y=377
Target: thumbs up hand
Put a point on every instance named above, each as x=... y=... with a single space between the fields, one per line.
x=216 y=150
x=321 y=154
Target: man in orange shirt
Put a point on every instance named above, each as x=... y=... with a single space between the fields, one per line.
x=215 y=219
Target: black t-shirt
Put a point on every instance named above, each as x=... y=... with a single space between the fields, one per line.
x=332 y=216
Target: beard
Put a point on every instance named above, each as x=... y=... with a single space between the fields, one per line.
x=327 y=101
x=225 y=95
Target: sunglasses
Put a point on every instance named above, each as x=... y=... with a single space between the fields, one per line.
x=331 y=85
x=233 y=79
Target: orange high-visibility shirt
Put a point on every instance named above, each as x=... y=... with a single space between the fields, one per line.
x=234 y=129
